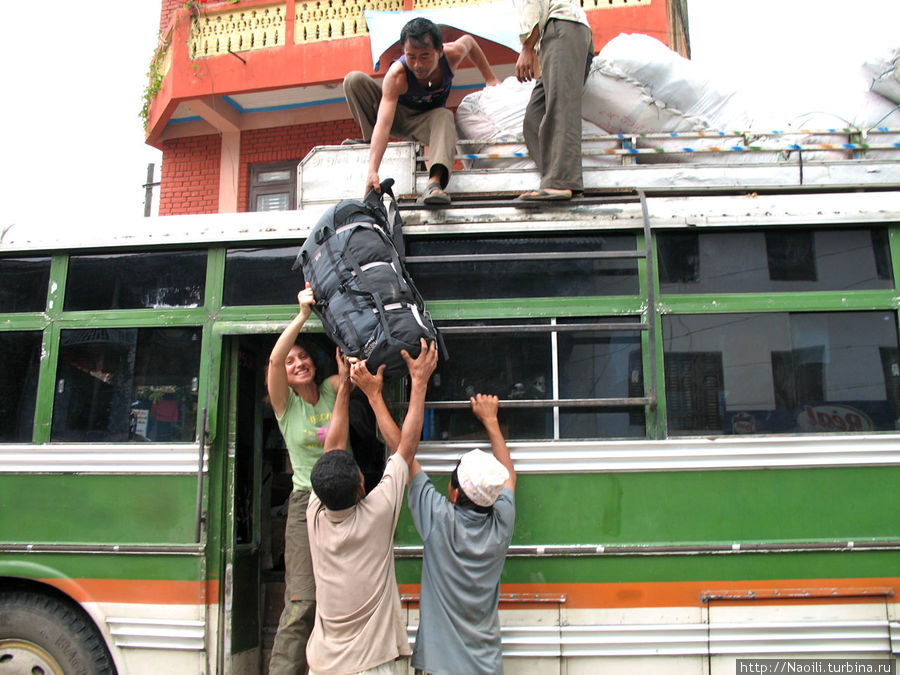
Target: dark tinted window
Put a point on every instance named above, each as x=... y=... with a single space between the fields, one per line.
x=601 y=365
x=781 y=372
x=19 y=363
x=127 y=384
x=136 y=281
x=782 y=260
x=262 y=276
x=518 y=367
x=536 y=267
x=23 y=284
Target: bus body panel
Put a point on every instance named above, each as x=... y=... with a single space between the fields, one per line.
x=673 y=544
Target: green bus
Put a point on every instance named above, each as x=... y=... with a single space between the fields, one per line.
x=699 y=374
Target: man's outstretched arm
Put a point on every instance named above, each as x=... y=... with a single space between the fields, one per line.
x=338 y=434
x=485 y=408
x=371 y=385
x=393 y=85
x=466 y=46
x=420 y=370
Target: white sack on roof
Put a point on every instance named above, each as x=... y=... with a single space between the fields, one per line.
x=857 y=107
x=497 y=114
x=637 y=84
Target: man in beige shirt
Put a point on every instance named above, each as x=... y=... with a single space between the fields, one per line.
x=359 y=625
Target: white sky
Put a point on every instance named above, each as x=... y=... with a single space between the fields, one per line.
x=791 y=55
x=74 y=78
x=71 y=138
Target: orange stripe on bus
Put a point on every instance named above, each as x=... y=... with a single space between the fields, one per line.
x=138 y=591
x=691 y=593
x=574 y=595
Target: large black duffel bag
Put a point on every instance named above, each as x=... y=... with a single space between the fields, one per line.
x=354 y=261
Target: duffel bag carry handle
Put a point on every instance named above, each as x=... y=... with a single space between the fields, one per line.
x=389 y=214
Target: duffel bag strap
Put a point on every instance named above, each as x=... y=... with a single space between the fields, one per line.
x=357 y=346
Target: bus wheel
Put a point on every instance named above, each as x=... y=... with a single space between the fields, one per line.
x=45 y=636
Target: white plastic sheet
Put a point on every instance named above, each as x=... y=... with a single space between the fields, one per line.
x=494 y=21
x=885 y=73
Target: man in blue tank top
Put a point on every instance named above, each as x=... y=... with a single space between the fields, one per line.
x=410 y=102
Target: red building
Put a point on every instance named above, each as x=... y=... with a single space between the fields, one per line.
x=241 y=90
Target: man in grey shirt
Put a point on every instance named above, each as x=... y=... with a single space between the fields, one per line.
x=466 y=538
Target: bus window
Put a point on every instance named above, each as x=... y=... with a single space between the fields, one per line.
x=261 y=276
x=785 y=372
x=782 y=260
x=601 y=365
x=136 y=281
x=127 y=384
x=556 y=267
x=23 y=284
x=19 y=362
x=537 y=362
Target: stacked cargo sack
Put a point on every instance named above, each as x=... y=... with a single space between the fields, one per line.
x=354 y=260
x=497 y=114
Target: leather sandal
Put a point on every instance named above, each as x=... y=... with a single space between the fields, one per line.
x=434 y=195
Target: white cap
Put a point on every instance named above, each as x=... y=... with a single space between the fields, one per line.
x=481 y=477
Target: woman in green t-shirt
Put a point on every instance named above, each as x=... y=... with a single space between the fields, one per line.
x=303 y=405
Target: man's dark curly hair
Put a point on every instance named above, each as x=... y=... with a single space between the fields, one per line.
x=417 y=30
x=335 y=480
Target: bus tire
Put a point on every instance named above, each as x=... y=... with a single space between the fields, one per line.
x=40 y=633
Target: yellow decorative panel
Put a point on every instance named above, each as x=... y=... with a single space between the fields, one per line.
x=218 y=33
x=441 y=4
x=336 y=19
x=613 y=4
x=587 y=4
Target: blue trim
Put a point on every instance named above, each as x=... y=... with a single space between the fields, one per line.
x=287 y=106
x=234 y=104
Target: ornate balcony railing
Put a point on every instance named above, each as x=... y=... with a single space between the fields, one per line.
x=336 y=19
x=243 y=28
x=237 y=30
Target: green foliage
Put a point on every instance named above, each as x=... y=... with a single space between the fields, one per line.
x=155 y=74
x=155 y=78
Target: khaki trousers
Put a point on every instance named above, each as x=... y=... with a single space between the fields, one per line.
x=552 y=126
x=296 y=622
x=435 y=128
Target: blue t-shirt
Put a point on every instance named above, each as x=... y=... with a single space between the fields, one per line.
x=418 y=97
x=459 y=623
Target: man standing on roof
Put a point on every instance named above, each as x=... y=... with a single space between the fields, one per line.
x=410 y=102
x=557 y=49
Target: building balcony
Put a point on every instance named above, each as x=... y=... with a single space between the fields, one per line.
x=230 y=66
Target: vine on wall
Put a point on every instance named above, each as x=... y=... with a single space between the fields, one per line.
x=155 y=76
